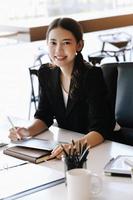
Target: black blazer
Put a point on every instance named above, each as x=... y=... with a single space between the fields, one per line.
x=88 y=111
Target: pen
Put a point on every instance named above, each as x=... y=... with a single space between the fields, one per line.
x=73 y=142
x=9 y=119
x=84 y=147
x=84 y=156
x=80 y=150
x=64 y=150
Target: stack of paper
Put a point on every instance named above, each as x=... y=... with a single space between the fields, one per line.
x=26 y=179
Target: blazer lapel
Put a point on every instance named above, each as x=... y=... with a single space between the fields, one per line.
x=58 y=96
x=70 y=104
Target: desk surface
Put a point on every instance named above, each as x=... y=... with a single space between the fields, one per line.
x=116 y=188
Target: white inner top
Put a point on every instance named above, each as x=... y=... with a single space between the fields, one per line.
x=65 y=96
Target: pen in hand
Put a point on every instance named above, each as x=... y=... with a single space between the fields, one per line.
x=9 y=119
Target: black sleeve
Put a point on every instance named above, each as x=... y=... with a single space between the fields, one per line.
x=44 y=111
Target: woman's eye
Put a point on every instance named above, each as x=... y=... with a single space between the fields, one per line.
x=66 y=43
x=52 y=43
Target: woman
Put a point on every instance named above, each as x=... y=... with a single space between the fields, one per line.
x=72 y=91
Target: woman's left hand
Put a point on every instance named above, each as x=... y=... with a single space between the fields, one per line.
x=58 y=151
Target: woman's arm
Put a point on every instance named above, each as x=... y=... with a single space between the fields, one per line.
x=37 y=127
x=93 y=138
x=18 y=133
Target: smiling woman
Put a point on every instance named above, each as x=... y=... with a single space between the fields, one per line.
x=84 y=108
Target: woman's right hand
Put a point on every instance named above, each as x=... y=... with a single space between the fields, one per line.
x=18 y=133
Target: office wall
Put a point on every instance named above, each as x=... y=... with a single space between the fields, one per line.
x=89 y=25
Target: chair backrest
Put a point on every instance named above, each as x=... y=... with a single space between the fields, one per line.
x=119 y=80
x=110 y=74
x=35 y=89
x=124 y=97
x=34 y=83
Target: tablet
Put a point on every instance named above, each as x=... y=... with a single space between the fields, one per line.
x=118 y=166
x=37 y=143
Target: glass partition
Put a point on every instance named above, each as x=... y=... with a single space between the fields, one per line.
x=30 y=9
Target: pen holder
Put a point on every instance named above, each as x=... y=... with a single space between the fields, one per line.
x=72 y=164
x=75 y=157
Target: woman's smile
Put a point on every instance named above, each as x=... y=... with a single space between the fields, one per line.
x=60 y=58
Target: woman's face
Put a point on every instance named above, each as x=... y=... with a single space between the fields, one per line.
x=62 y=47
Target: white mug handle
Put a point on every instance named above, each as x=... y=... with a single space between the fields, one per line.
x=96 y=184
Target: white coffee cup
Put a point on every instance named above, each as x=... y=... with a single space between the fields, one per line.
x=82 y=184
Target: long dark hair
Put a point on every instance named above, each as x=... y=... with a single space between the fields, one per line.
x=75 y=28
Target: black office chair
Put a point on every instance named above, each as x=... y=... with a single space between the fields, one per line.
x=40 y=59
x=119 y=80
x=34 y=98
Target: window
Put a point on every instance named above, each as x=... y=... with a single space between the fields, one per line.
x=30 y=9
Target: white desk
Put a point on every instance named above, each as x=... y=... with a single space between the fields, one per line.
x=114 y=188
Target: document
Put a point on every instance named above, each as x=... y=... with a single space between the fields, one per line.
x=7 y=162
x=37 y=143
x=26 y=179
